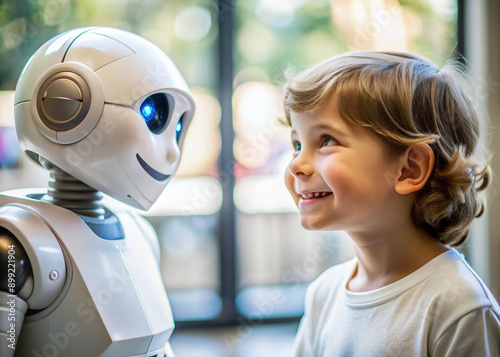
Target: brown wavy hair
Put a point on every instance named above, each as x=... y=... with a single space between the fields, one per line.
x=408 y=100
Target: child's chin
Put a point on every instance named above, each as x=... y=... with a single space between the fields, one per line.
x=310 y=224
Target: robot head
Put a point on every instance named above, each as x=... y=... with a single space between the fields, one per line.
x=107 y=107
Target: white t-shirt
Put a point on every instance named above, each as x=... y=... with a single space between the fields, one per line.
x=442 y=309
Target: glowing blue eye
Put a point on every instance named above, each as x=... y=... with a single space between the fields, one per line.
x=155 y=110
x=147 y=110
x=178 y=127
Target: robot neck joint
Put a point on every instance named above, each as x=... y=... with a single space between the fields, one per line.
x=70 y=193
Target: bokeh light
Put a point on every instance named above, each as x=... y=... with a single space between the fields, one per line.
x=193 y=23
x=255 y=108
x=203 y=141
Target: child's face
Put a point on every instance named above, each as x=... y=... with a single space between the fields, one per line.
x=340 y=176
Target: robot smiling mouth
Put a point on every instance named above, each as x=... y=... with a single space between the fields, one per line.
x=152 y=172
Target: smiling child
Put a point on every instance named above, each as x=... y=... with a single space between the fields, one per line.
x=385 y=149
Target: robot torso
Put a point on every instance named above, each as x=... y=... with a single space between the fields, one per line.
x=110 y=301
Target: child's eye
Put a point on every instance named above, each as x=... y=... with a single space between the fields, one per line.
x=297 y=146
x=327 y=140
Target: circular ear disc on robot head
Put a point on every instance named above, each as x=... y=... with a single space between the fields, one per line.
x=63 y=101
x=67 y=102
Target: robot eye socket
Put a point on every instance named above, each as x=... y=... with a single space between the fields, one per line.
x=155 y=111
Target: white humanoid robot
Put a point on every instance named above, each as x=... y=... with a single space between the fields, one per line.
x=106 y=112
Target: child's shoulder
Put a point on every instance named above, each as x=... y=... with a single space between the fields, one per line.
x=457 y=285
x=454 y=297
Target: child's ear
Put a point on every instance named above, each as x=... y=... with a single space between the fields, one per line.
x=417 y=163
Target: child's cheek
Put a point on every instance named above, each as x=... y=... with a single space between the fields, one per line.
x=289 y=182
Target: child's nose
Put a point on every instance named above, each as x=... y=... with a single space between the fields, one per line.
x=300 y=167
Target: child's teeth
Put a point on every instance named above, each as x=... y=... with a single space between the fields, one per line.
x=314 y=195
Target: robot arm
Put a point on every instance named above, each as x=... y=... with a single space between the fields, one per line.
x=33 y=271
x=15 y=285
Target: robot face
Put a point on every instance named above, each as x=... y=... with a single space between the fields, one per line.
x=109 y=108
x=156 y=110
x=147 y=138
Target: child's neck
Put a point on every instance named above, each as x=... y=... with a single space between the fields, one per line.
x=387 y=259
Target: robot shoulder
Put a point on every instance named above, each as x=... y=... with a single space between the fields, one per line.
x=36 y=254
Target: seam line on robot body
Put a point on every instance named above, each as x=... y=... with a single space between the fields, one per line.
x=73 y=41
x=131 y=49
x=23 y=101
x=132 y=277
x=107 y=64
